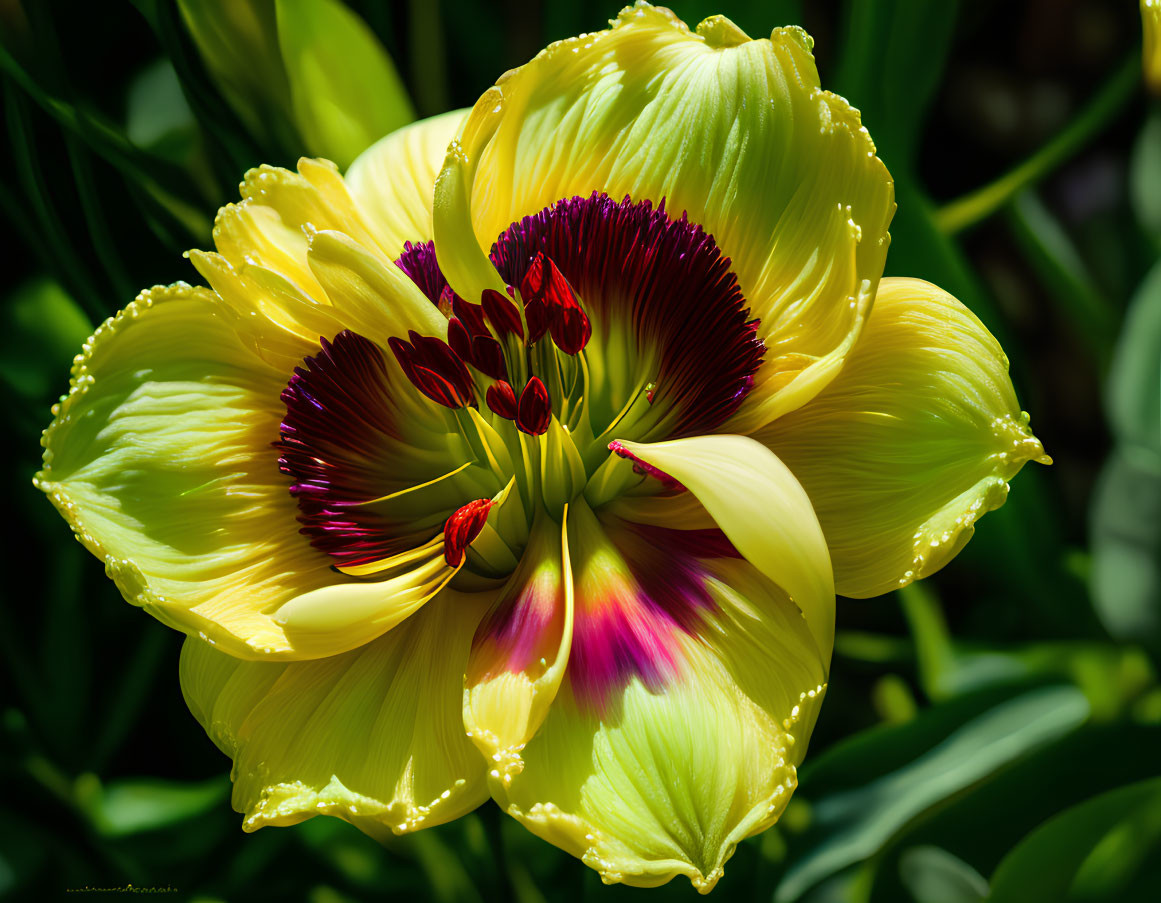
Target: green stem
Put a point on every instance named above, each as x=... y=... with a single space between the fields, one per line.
x=1099 y=112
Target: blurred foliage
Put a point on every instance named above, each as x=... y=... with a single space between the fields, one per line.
x=992 y=734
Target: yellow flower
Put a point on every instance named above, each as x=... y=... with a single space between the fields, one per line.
x=1151 y=24
x=553 y=509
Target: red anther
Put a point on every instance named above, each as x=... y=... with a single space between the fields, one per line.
x=571 y=329
x=537 y=316
x=489 y=357
x=501 y=313
x=460 y=341
x=461 y=528
x=544 y=284
x=471 y=315
x=534 y=412
x=501 y=400
x=434 y=369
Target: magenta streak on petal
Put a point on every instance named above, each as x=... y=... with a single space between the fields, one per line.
x=418 y=261
x=629 y=624
x=338 y=439
x=518 y=633
x=664 y=277
x=645 y=467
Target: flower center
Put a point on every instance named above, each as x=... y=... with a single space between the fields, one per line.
x=619 y=323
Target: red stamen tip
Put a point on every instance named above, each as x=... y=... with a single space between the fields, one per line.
x=535 y=409
x=501 y=400
x=501 y=313
x=644 y=467
x=434 y=369
x=461 y=528
x=551 y=300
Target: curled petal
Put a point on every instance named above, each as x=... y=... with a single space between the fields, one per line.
x=762 y=509
x=911 y=444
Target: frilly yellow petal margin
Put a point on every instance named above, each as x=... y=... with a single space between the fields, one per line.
x=371 y=736
x=668 y=780
x=160 y=460
x=911 y=444
x=736 y=133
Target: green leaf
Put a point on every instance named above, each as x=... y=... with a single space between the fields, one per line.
x=1091 y=851
x=344 y=89
x=1058 y=263
x=134 y=805
x=892 y=59
x=933 y=875
x=1145 y=175
x=853 y=824
x=1126 y=515
x=158 y=118
x=44 y=329
x=238 y=42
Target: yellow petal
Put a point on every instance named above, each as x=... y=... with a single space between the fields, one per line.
x=520 y=652
x=1151 y=24
x=372 y=736
x=735 y=132
x=393 y=180
x=666 y=781
x=161 y=459
x=911 y=444
x=335 y=619
x=762 y=509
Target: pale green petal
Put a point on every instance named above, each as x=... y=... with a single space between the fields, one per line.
x=911 y=444
x=372 y=736
x=762 y=509
x=667 y=782
x=161 y=460
x=344 y=89
x=736 y=132
x=393 y=180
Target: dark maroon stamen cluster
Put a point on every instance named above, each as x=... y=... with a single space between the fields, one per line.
x=665 y=277
x=336 y=446
x=435 y=369
x=419 y=263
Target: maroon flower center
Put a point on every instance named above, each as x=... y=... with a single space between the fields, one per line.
x=614 y=312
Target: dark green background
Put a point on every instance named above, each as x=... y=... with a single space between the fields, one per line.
x=1001 y=722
